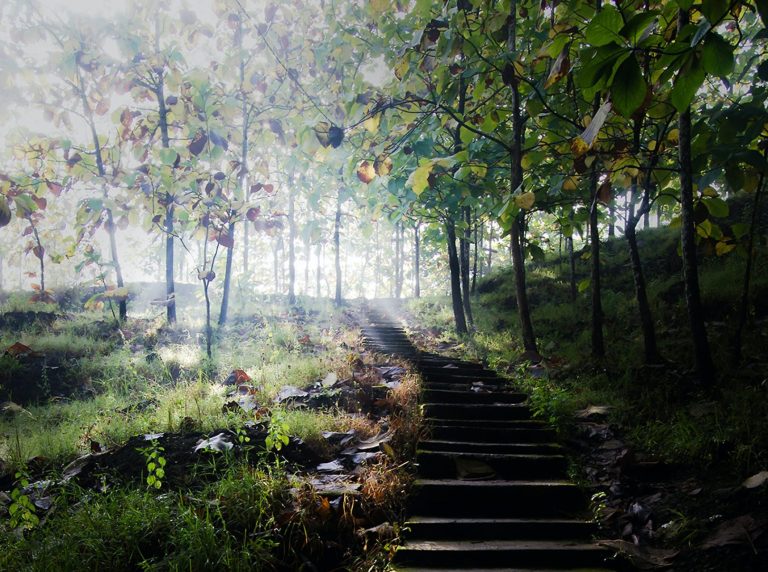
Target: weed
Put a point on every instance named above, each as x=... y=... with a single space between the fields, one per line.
x=278 y=431
x=22 y=510
x=155 y=463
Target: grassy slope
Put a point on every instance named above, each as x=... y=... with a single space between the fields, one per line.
x=661 y=409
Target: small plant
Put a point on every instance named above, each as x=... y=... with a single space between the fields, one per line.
x=242 y=436
x=278 y=433
x=22 y=510
x=155 y=461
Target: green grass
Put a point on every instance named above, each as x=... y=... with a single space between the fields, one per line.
x=659 y=409
x=227 y=526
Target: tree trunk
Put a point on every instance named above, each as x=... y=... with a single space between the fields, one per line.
x=337 y=247
x=743 y=312
x=319 y=269
x=165 y=140
x=516 y=181
x=651 y=351
x=704 y=365
x=598 y=341
x=246 y=246
x=2 y=273
x=377 y=268
x=571 y=267
x=464 y=252
x=291 y=243
x=491 y=232
x=398 y=284
x=453 y=264
x=307 y=256
x=612 y=221
x=227 y=278
x=476 y=255
x=416 y=262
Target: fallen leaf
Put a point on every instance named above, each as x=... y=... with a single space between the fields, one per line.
x=642 y=557
x=217 y=443
x=756 y=481
x=742 y=529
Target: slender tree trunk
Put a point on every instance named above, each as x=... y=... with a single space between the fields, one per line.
x=307 y=256
x=704 y=366
x=477 y=249
x=571 y=267
x=464 y=252
x=612 y=221
x=516 y=180
x=377 y=269
x=598 y=341
x=337 y=247
x=453 y=263
x=401 y=244
x=291 y=243
x=246 y=247
x=651 y=351
x=743 y=312
x=223 y=312
x=276 y=266
x=319 y=269
x=2 y=273
x=170 y=286
x=397 y=290
x=491 y=232
x=416 y=262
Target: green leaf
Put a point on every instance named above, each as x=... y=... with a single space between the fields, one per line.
x=628 y=89
x=717 y=56
x=716 y=206
x=604 y=27
x=714 y=10
x=639 y=26
x=584 y=285
x=688 y=81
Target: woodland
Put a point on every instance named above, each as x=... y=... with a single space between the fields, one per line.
x=201 y=201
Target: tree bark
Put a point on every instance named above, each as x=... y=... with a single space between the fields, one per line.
x=464 y=252
x=416 y=262
x=291 y=243
x=516 y=181
x=337 y=247
x=319 y=269
x=453 y=264
x=598 y=341
x=743 y=312
x=223 y=312
x=703 y=359
x=398 y=283
x=165 y=140
x=476 y=255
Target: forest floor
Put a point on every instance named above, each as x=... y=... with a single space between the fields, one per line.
x=126 y=449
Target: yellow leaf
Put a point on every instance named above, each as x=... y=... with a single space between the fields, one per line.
x=560 y=68
x=419 y=179
x=652 y=145
x=383 y=165
x=709 y=192
x=525 y=201
x=722 y=248
x=366 y=172
x=673 y=136
x=525 y=162
x=589 y=135
x=372 y=123
x=570 y=183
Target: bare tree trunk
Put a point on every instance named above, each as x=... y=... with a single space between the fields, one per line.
x=704 y=366
x=416 y=262
x=571 y=266
x=464 y=252
x=377 y=269
x=398 y=284
x=478 y=248
x=516 y=180
x=598 y=341
x=453 y=264
x=291 y=242
x=227 y=278
x=307 y=255
x=743 y=312
x=319 y=269
x=246 y=247
x=612 y=221
x=337 y=246
x=165 y=140
x=2 y=273
x=491 y=232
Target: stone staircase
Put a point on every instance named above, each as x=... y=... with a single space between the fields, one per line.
x=492 y=491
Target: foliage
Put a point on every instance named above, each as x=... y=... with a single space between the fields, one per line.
x=155 y=462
